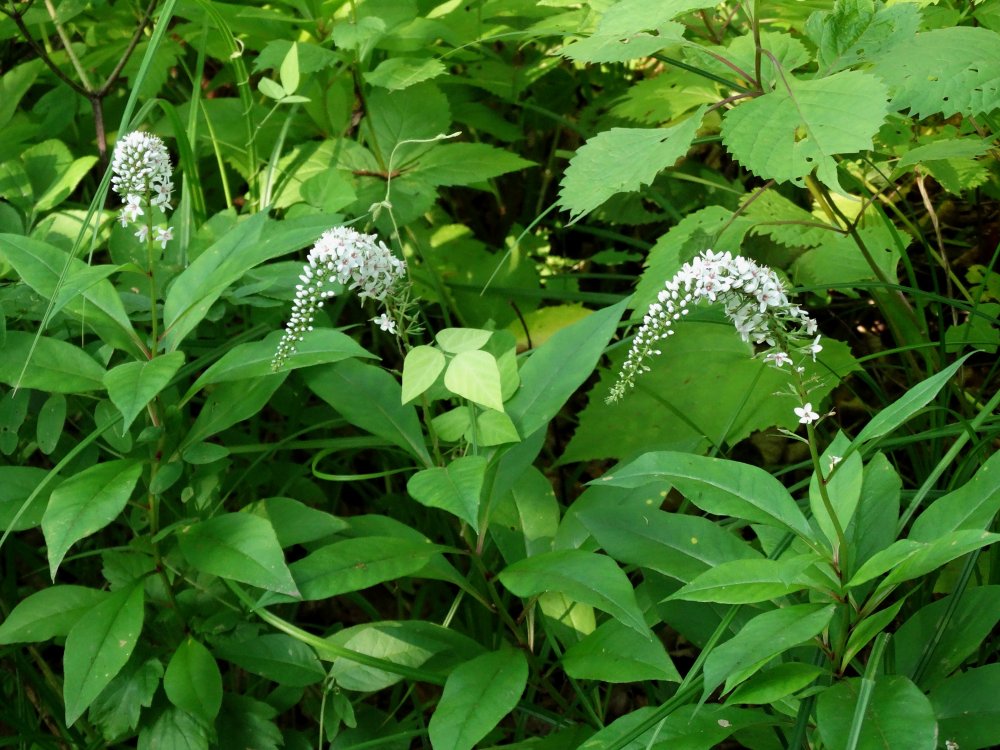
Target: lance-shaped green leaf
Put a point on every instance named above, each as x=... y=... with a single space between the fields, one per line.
x=134 y=384
x=48 y=613
x=760 y=640
x=455 y=488
x=971 y=506
x=230 y=403
x=966 y=707
x=55 y=366
x=725 y=488
x=616 y=653
x=276 y=656
x=421 y=368
x=475 y=375
x=98 y=647
x=240 y=547
x=597 y=170
x=747 y=581
x=85 y=503
x=477 y=695
x=801 y=125
x=583 y=577
x=193 y=681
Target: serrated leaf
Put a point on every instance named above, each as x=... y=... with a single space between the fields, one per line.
x=474 y=375
x=802 y=124
x=174 y=729
x=402 y=72
x=455 y=488
x=240 y=547
x=477 y=695
x=48 y=613
x=582 y=576
x=133 y=385
x=193 y=681
x=944 y=71
x=98 y=647
x=622 y=160
x=633 y=28
x=859 y=31
x=119 y=706
x=85 y=503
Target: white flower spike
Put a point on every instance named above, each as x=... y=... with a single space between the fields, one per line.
x=345 y=256
x=752 y=296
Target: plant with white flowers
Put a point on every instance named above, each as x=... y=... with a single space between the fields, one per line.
x=753 y=298
x=358 y=261
x=142 y=176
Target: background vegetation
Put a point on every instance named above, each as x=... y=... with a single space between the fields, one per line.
x=450 y=539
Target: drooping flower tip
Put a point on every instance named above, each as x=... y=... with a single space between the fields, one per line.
x=343 y=256
x=752 y=296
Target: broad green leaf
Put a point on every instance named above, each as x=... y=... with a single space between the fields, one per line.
x=557 y=368
x=597 y=170
x=252 y=241
x=874 y=525
x=767 y=635
x=193 y=682
x=616 y=653
x=422 y=366
x=524 y=519
x=477 y=695
x=944 y=71
x=356 y=564
x=467 y=164
x=415 y=113
x=915 y=399
x=748 y=581
x=474 y=375
x=98 y=646
x=85 y=503
x=271 y=89
x=55 y=367
x=859 y=31
x=455 y=488
x=232 y=402
x=633 y=28
x=492 y=428
x=276 y=656
x=967 y=710
x=413 y=643
x=690 y=727
x=397 y=73
x=370 y=398
x=16 y=485
x=245 y=722
x=117 y=709
x=84 y=292
x=240 y=547
x=452 y=424
x=802 y=124
x=65 y=183
x=705 y=390
x=51 y=420
x=725 y=488
x=971 y=506
x=843 y=488
x=295 y=522
x=863 y=633
x=289 y=72
x=133 y=385
x=456 y=340
x=584 y=577
x=770 y=686
x=899 y=716
x=951 y=631
x=48 y=613
x=175 y=729
x=253 y=360
x=674 y=544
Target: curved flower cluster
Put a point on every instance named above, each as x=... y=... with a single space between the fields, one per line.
x=342 y=256
x=752 y=296
x=142 y=176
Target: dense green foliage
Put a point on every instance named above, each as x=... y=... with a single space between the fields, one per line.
x=437 y=531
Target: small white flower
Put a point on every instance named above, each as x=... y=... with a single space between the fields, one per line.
x=814 y=348
x=143 y=233
x=163 y=236
x=133 y=207
x=778 y=359
x=385 y=323
x=806 y=415
x=950 y=745
x=834 y=460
